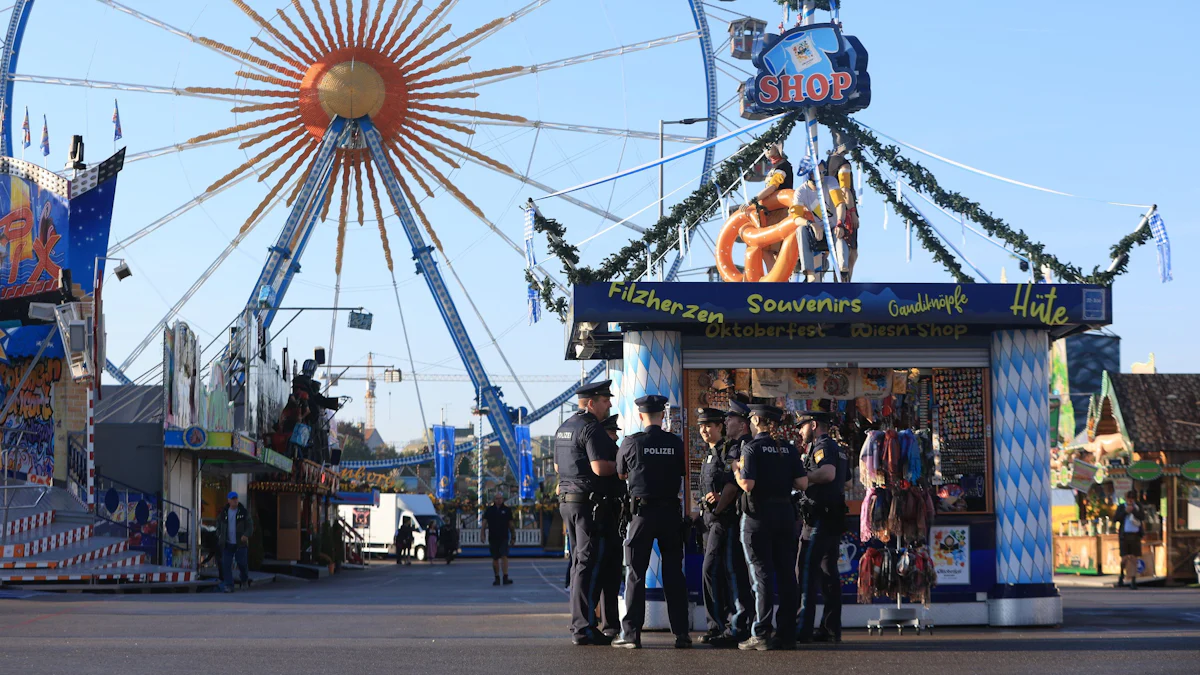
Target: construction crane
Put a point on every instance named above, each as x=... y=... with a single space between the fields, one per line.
x=370 y=399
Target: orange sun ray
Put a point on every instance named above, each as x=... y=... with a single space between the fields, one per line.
x=369 y=39
x=333 y=176
x=268 y=79
x=312 y=53
x=429 y=18
x=264 y=106
x=234 y=91
x=269 y=134
x=451 y=45
x=243 y=127
x=387 y=25
x=441 y=123
x=442 y=94
x=337 y=23
x=466 y=77
x=358 y=162
x=279 y=54
x=416 y=207
x=446 y=183
x=383 y=235
x=266 y=25
x=391 y=146
x=467 y=112
x=343 y=209
x=324 y=25
x=457 y=146
x=433 y=149
x=273 y=191
x=430 y=39
x=208 y=42
x=256 y=159
x=299 y=184
x=445 y=65
x=311 y=28
x=349 y=22
x=362 y=24
x=399 y=32
x=290 y=153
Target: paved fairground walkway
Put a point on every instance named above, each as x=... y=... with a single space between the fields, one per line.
x=449 y=619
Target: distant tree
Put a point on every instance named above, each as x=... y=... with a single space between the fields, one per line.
x=354 y=445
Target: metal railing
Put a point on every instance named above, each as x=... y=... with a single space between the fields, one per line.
x=77 y=467
x=18 y=500
x=472 y=537
x=354 y=542
x=158 y=527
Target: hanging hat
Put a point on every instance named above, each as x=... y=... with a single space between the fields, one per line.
x=766 y=411
x=652 y=403
x=709 y=415
x=610 y=423
x=594 y=389
x=738 y=408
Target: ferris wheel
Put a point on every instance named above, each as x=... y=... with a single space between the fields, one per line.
x=284 y=126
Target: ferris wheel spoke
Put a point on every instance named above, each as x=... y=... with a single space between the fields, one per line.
x=247 y=57
x=588 y=58
x=270 y=133
x=387 y=45
x=312 y=29
x=524 y=178
x=257 y=158
x=383 y=235
x=325 y=26
x=272 y=30
x=310 y=53
x=505 y=21
x=173 y=214
x=166 y=26
x=178 y=147
x=584 y=129
x=337 y=23
x=416 y=33
x=243 y=127
x=119 y=86
x=393 y=150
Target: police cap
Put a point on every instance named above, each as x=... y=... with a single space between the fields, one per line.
x=594 y=389
x=652 y=403
x=814 y=416
x=738 y=408
x=610 y=423
x=709 y=415
x=766 y=411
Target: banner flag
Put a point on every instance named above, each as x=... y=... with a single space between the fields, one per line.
x=526 y=480
x=443 y=461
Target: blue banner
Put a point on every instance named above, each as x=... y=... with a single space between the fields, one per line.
x=526 y=480
x=443 y=461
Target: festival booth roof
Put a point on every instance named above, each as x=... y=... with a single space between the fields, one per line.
x=601 y=312
x=370 y=498
x=1153 y=413
x=227 y=451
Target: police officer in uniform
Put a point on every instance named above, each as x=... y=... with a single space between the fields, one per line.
x=610 y=562
x=583 y=455
x=726 y=583
x=768 y=470
x=828 y=467
x=654 y=463
x=737 y=427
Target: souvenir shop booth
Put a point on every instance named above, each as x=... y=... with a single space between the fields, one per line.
x=939 y=390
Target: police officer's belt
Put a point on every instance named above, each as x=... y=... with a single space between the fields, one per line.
x=658 y=501
x=772 y=500
x=575 y=498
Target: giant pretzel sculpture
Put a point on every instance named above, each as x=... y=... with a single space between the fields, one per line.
x=753 y=227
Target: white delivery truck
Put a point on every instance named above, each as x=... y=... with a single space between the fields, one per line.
x=378 y=524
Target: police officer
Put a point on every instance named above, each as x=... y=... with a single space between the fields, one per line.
x=726 y=582
x=654 y=463
x=737 y=427
x=609 y=563
x=768 y=470
x=583 y=455
x=828 y=466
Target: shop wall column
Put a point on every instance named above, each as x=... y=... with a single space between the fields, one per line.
x=652 y=364
x=615 y=372
x=1024 y=594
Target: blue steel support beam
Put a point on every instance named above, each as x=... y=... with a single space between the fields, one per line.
x=498 y=412
x=389 y=464
x=8 y=66
x=284 y=260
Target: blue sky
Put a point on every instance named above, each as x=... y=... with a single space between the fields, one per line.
x=1076 y=96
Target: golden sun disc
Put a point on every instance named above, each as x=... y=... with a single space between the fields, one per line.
x=351 y=89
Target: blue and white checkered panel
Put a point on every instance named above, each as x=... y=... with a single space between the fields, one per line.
x=614 y=373
x=653 y=363
x=1021 y=436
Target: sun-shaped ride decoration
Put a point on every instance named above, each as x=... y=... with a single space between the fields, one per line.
x=392 y=73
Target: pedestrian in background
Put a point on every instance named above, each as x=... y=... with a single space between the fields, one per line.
x=497 y=534
x=404 y=541
x=234 y=526
x=1130 y=525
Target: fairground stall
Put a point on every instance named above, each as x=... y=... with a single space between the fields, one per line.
x=957 y=373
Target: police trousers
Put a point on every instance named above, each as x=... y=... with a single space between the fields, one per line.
x=816 y=567
x=661 y=522
x=727 y=597
x=584 y=540
x=770 y=543
x=609 y=570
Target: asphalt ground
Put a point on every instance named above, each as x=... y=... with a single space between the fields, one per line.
x=436 y=619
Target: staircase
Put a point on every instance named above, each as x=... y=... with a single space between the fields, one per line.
x=49 y=539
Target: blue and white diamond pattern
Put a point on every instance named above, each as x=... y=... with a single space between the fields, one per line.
x=1021 y=436
x=614 y=373
x=653 y=365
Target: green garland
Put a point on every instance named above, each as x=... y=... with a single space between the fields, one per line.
x=923 y=180
x=925 y=233
x=631 y=259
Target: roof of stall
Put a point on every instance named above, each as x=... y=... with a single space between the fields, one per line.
x=601 y=312
x=1155 y=413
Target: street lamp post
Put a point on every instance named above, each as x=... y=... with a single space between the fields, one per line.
x=661 y=124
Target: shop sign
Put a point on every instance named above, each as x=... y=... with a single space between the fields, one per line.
x=1122 y=486
x=809 y=66
x=246 y=446
x=759 y=304
x=272 y=458
x=1191 y=470
x=1083 y=475
x=951 y=552
x=1144 y=470
x=194 y=437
